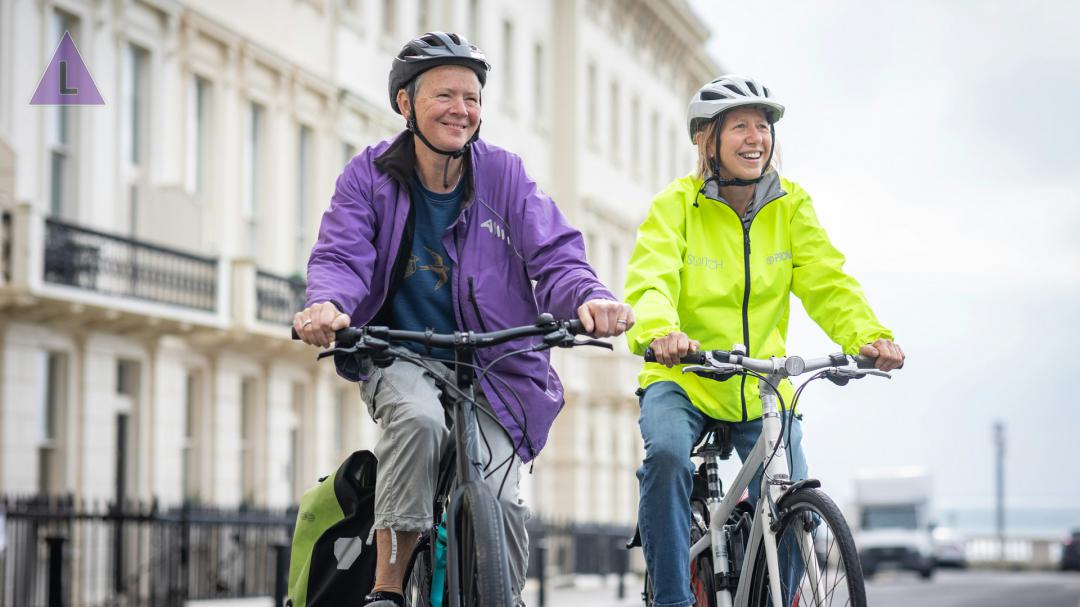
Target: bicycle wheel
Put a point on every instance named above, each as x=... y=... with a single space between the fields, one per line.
x=701 y=568
x=417 y=584
x=484 y=570
x=817 y=558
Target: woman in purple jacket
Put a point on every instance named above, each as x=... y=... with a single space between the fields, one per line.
x=437 y=229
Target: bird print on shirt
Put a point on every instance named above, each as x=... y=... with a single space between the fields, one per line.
x=439 y=268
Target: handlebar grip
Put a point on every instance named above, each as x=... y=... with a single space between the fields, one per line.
x=691 y=358
x=865 y=362
x=341 y=335
x=575 y=327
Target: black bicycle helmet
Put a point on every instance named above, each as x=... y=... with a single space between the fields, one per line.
x=432 y=50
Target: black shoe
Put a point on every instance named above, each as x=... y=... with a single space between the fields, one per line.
x=384 y=599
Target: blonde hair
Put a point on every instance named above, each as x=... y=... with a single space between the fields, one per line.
x=705 y=140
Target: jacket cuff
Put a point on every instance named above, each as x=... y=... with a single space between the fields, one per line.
x=595 y=293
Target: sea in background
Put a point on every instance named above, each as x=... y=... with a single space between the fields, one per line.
x=1049 y=523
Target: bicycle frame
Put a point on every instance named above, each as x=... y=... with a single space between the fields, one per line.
x=467 y=457
x=468 y=467
x=761 y=528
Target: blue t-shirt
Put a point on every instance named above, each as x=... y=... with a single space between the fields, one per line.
x=423 y=299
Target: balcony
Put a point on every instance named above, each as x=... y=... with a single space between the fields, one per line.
x=58 y=271
x=278 y=298
x=114 y=265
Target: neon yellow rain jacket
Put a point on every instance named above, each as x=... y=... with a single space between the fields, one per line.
x=696 y=269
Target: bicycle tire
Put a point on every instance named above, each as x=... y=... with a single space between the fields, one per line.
x=484 y=570
x=702 y=586
x=417 y=582
x=840 y=572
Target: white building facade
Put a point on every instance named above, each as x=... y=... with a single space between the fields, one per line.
x=152 y=249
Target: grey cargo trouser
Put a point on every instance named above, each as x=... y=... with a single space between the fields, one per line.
x=405 y=403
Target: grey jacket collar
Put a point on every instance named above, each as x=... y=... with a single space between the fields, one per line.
x=767 y=190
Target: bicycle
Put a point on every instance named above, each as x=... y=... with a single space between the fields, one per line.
x=794 y=545
x=477 y=570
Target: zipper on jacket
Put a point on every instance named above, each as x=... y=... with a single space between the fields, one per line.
x=745 y=310
x=476 y=306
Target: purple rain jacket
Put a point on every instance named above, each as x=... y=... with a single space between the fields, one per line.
x=508 y=234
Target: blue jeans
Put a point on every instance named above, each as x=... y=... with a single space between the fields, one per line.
x=670 y=424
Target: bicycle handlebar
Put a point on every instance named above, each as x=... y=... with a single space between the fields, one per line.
x=789 y=366
x=556 y=333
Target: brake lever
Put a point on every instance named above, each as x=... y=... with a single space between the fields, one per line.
x=719 y=372
x=589 y=341
x=366 y=346
x=841 y=377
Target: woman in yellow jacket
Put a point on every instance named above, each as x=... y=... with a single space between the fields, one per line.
x=714 y=265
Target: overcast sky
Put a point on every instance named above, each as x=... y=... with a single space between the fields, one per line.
x=938 y=140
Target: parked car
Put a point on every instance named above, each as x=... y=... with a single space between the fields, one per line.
x=949 y=547
x=1070 y=552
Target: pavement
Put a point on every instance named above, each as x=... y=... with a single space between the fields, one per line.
x=586 y=591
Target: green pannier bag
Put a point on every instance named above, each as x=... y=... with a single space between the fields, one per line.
x=332 y=563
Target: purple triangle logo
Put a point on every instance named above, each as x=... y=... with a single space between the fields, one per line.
x=67 y=81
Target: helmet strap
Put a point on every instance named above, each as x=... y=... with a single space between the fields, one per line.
x=414 y=128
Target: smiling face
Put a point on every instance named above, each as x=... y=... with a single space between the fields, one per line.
x=745 y=143
x=447 y=105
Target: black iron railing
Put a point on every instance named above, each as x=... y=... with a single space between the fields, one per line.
x=278 y=298
x=115 y=265
x=138 y=555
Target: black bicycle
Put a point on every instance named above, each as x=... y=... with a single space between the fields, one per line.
x=477 y=570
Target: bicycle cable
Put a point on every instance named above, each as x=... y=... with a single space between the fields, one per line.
x=419 y=360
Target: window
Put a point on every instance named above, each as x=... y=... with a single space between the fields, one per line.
x=62 y=128
x=673 y=155
x=654 y=148
x=53 y=373
x=198 y=131
x=508 y=58
x=297 y=446
x=473 y=20
x=341 y=422
x=635 y=137
x=538 y=80
x=189 y=447
x=136 y=106
x=425 y=16
x=253 y=174
x=616 y=153
x=590 y=103
x=303 y=192
x=127 y=377
x=248 y=411
x=389 y=18
x=348 y=150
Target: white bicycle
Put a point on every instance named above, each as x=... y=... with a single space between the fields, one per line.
x=794 y=547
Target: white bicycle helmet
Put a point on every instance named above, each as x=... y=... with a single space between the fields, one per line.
x=725 y=93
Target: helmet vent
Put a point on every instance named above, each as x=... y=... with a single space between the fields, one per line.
x=753 y=89
x=712 y=95
x=733 y=89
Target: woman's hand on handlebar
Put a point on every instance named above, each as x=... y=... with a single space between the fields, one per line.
x=887 y=352
x=316 y=324
x=672 y=347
